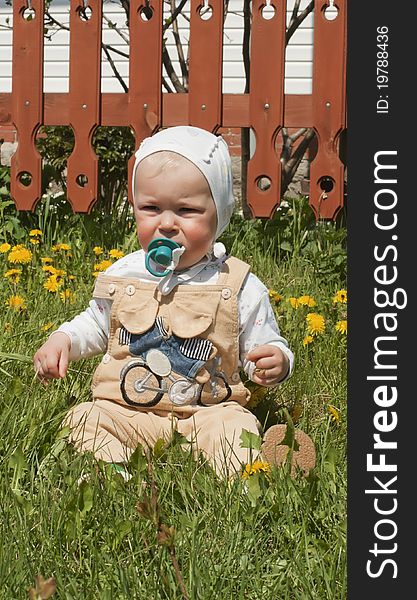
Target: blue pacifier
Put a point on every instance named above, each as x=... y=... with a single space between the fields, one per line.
x=160 y=251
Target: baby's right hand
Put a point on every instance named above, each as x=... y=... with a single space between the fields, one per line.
x=51 y=360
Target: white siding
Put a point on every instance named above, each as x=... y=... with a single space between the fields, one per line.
x=298 y=68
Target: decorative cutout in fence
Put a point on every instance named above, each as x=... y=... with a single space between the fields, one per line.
x=145 y=108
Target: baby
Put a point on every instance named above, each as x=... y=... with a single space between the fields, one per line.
x=176 y=320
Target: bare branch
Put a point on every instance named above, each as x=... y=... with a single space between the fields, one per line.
x=166 y=60
x=178 y=44
x=116 y=29
x=297 y=20
x=113 y=66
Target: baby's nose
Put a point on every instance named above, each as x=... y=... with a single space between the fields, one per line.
x=167 y=220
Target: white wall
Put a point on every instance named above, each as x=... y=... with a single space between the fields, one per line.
x=298 y=69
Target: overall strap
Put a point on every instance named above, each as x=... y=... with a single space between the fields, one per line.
x=233 y=273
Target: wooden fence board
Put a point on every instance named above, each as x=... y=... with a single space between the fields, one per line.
x=327 y=170
x=27 y=101
x=266 y=104
x=205 y=65
x=145 y=75
x=84 y=101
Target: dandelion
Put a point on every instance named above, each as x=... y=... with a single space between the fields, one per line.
x=275 y=296
x=46 y=260
x=34 y=241
x=4 y=248
x=98 y=250
x=47 y=326
x=19 y=254
x=16 y=302
x=35 y=233
x=307 y=340
x=307 y=301
x=334 y=413
x=258 y=466
x=71 y=277
x=13 y=275
x=58 y=247
x=67 y=296
x=114 y=253
x=294 y=302
x=340 y=297
x=102 y=266
x=341 y=327
x=8 y=327
x=52 y=284
x=49 y=269
x=315 y=323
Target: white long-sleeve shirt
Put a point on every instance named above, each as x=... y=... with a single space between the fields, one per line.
x=89 y=331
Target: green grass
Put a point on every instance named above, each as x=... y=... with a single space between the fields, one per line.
x=106 y=539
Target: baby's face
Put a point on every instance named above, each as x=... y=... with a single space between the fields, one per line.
x=173 y=200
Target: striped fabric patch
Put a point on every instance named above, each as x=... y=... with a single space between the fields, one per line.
x=124 y=337
x=196 y=348
x=160 y=325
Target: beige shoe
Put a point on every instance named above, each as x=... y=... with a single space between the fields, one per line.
x=275 y=453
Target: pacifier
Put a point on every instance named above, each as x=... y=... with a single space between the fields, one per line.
x=161 y=251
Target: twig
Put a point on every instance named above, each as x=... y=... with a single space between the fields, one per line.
x=296 y=19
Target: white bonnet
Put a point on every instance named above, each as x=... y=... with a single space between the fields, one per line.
x=208 y=152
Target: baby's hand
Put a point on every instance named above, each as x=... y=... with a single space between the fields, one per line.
x=51 y=360
x=271 y=364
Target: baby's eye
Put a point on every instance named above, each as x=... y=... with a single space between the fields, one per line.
x=149 y=207
x=187 y=209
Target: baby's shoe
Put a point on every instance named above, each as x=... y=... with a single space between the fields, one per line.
x=275 y=452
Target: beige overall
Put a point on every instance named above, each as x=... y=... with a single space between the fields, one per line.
x=171 y=363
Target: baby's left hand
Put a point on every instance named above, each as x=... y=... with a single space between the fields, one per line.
x=271 y=364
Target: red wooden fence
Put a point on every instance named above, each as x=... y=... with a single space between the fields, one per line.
x=266 y=109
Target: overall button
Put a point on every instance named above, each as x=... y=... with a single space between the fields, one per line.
x=226 y=293
x=130 y=290
x=106 y=358
x=235 y=377
x=112 y=288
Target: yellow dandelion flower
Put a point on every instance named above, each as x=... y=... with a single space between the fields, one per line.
x=49 y=269
x=13 y=275
x=46 y=260
x=114 y=253
x=334 y=413
x=258 y=466
x=16 y=302
x=71 y=277
x=58 y=247
x=67 y=296
x=52 y=284
x=341 y=327
x=306 y=301
x=307 y=340
x=315 y=323
x=47 y=326
x=4 y=248
x=103 y=265
x=294 y=302
x=34 y=241
x=275 y=296
x=35 y=232
x=340 y=297
x=98 y=250
x=20 y=255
